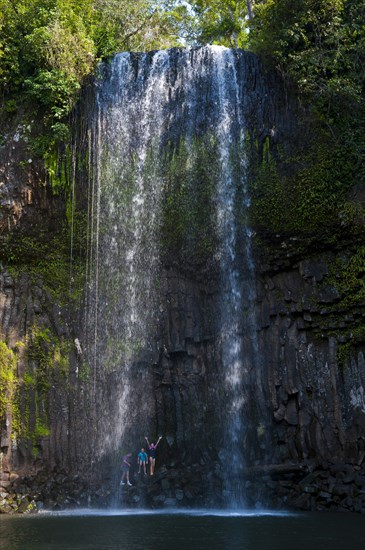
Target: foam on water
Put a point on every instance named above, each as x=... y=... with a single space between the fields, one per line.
x=204 y=512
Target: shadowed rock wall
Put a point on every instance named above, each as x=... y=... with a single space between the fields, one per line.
x=317 y=402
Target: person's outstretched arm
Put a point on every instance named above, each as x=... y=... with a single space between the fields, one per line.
x=148 y=443
x=158 y=441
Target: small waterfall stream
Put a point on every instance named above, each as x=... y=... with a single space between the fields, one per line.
x=239 y=345
x=229 y=133
x=149 y=108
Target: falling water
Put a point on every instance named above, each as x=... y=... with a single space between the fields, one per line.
x=239 y=345
x=124 y=255
x=147 y=106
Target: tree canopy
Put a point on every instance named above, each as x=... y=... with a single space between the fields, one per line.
x=49 y=47
x=320 y=46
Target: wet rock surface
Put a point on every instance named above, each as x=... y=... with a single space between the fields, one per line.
x=321 y=487
x=316 y=398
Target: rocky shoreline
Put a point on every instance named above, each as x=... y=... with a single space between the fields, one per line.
x=307 y=486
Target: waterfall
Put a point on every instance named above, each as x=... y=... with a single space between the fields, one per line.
x=124 y=256
x=238 y=331
x=229 y=130
x=168 y=144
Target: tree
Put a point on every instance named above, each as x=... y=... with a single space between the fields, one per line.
x=316 y=42
x=49 y=47
x=219 y=22
x=319 y=45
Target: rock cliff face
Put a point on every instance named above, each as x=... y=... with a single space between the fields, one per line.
x=307 y=423
x=316 y=392
x=317 y=403
x=24 y=186
x=38 y=355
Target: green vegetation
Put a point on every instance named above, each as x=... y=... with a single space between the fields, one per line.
x=320 y=47
x=47 y=359
x=190 y=175
x=41 y=430
x=347 y=275
x=49 y=353
x=221 y=22
x=304 y=193
x=46 y=258
x=48 y=48
x=319 y=43
x=8 y=378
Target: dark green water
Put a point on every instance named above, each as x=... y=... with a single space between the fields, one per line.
x=190 y=531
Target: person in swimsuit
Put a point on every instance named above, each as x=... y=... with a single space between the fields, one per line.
x=125 y=469
x=152 y=450
x=142 y=461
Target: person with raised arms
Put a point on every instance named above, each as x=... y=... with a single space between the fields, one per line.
x=152 y=450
